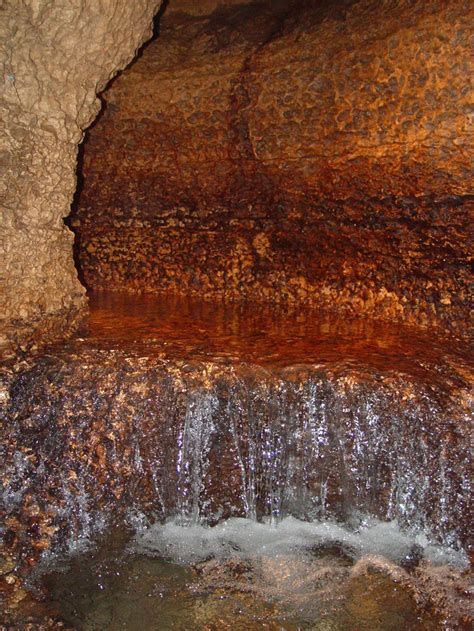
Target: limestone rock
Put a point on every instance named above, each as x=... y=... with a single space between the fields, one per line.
x=55 y=56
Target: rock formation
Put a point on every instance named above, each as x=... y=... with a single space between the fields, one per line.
x=302 y=152
x=55 y=56
x=291 y=151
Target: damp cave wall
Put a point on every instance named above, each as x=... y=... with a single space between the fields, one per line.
x=315 y=151
x=292 y=151
x=55 y=56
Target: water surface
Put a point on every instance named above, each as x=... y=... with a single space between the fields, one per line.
x=270 y=335
x=243 y=575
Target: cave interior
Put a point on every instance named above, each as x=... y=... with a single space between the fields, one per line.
x=237 y=273
x=285 y=152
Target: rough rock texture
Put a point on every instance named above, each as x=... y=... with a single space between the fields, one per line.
x=373 y=423
x=93 y=437
x=55 y=57
x=308 y=151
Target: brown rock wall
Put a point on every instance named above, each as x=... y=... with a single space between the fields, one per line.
x=56 y=57
x=381 y=88
x=298 y=151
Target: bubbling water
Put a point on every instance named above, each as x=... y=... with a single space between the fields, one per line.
x=246 y=539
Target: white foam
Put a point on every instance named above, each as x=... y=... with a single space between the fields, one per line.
x=248 y=539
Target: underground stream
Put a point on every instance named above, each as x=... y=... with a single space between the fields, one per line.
x=184 y=464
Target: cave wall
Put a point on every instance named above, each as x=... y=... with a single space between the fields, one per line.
x=55 y=56
x=294 y=151
x=203 y=7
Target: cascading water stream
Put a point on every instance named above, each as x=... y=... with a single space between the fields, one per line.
x=314 y=448
x=301 y=442
x=103 y=435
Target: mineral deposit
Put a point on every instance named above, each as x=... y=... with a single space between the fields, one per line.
x=56 y=56
x=316 y=152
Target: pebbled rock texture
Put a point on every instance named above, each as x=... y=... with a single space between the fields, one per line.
x=316 y=152
x=55 y=57
x=93 y=436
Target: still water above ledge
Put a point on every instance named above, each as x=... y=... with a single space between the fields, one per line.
x=269 y=335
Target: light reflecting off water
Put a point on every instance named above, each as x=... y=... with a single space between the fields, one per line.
x=245 y=575
x=189 y=328
x=274 y=469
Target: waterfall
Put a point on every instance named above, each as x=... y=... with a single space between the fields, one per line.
x=202 y=442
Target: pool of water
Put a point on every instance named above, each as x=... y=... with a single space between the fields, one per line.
x=244 y=575
x=271 y=335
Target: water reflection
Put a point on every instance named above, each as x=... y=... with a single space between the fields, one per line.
x=177 y=327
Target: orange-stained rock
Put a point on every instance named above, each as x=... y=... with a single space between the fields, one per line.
x=316 y=152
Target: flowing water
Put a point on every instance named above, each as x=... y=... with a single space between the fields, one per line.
x=245 y=575
x=282 y=470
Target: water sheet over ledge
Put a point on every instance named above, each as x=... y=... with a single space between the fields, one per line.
x=203 y=412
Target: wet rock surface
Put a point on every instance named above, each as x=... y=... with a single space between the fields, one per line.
x=204 y=411
x=98 y=433
x=315 y=152
x=93 y=431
